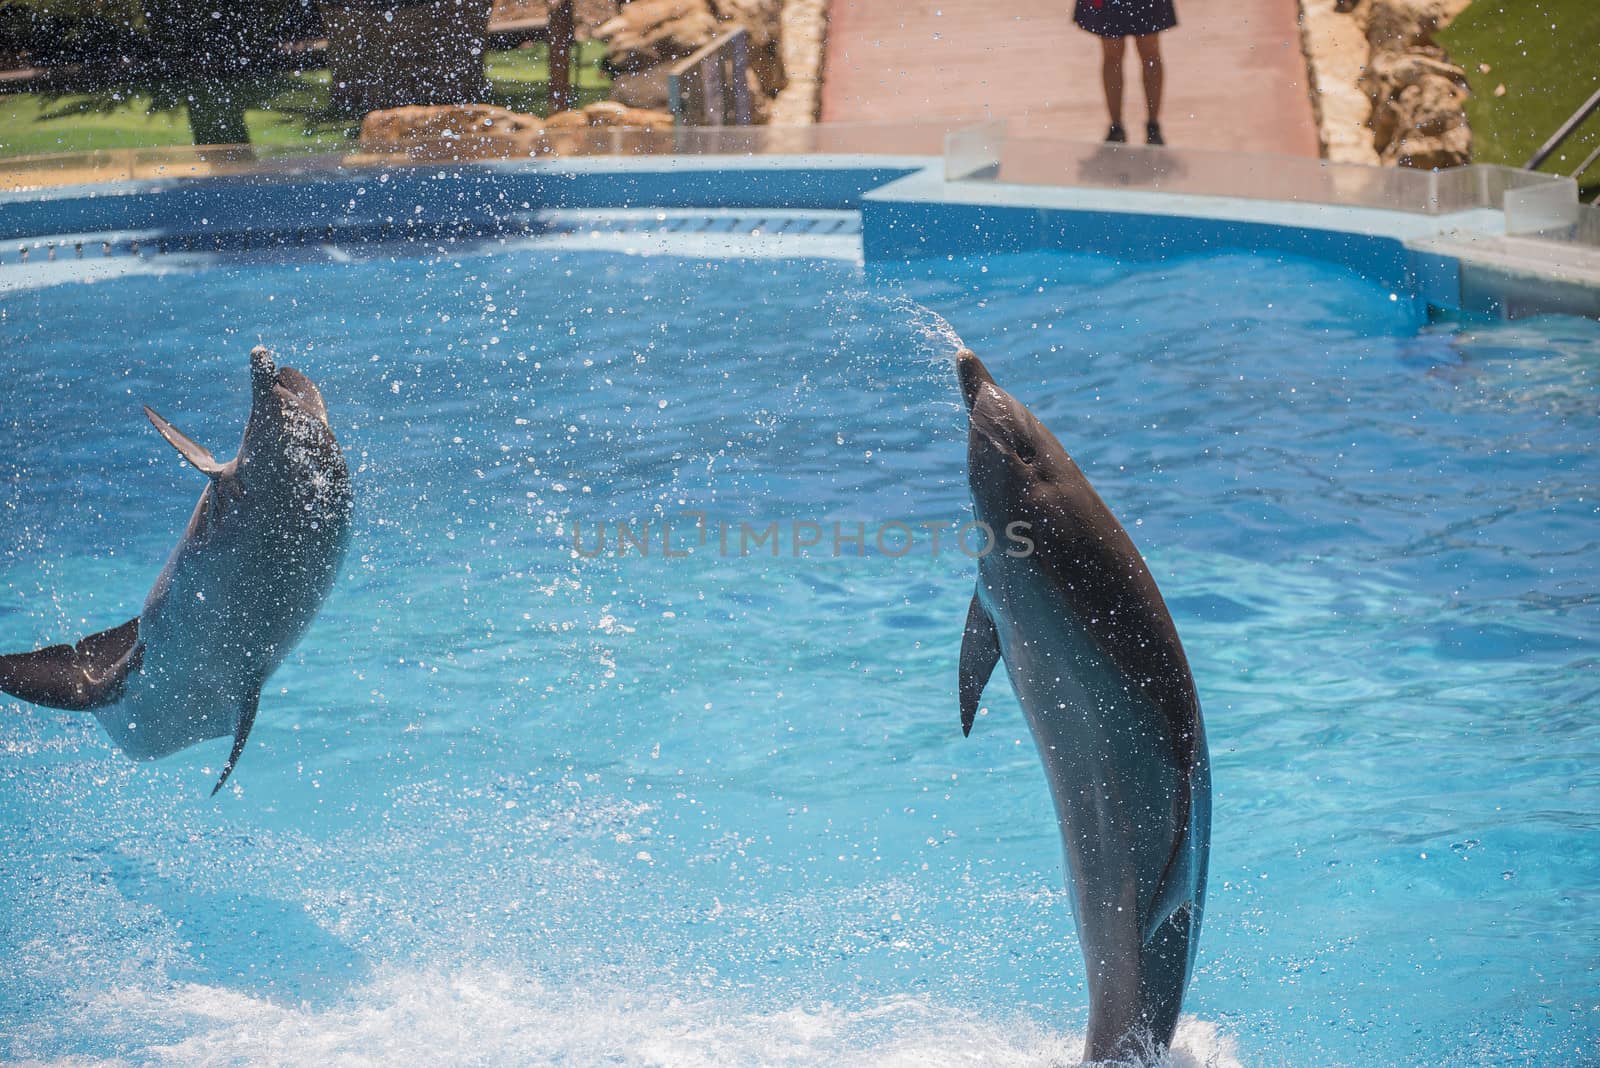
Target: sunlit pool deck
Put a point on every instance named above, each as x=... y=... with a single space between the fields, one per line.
x=1479 y=240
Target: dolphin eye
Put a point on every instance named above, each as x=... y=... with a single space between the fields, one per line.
x=1025 y=451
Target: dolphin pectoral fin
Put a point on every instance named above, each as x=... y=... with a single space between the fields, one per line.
x=980 y=652
x=81 y=677
x=191 y=450
x=247 y=719
x=1172 y=897
x=1177 y=890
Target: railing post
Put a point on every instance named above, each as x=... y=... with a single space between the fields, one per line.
x=739 y=60
x=713 y=101
x=558 y=90
x=712 y=86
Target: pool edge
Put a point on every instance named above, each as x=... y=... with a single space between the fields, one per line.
x=1456 y=264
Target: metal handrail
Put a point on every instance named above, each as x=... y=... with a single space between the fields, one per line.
x=1567 y=128
x=1589 y=161
x=711 y=87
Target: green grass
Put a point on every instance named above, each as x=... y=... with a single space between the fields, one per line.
x=517 y=80
x=1544 y=53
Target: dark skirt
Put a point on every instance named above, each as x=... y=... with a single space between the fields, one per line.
x=1125 y=18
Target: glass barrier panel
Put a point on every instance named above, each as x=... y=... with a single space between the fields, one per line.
x=1549 y=208
x=1031 y=161
x=975 y=151
x=1588 y=231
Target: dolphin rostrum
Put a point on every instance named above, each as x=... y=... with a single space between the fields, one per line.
x=1096 y=664
x=241 y=588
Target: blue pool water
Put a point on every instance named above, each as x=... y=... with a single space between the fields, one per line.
x=508 y=804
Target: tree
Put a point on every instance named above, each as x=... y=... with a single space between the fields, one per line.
x=215 y=58
x=390 y=53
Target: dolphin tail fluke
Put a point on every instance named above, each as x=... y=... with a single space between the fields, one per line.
x=76 y=677
x=247 y=719
x=191 y=450
x=980 y=652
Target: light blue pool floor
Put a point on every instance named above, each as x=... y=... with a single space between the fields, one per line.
x=535 y=808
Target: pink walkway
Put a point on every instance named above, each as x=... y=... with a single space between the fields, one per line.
x=1236 y=78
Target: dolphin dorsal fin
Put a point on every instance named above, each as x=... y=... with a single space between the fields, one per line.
x=187 y=447
x=241 y=731
x=980 y=652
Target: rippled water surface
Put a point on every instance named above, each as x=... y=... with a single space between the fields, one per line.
x=522 y=805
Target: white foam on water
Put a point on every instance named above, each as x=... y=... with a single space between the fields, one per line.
x=699 y=246
x=486 y=1015
x=17 y=277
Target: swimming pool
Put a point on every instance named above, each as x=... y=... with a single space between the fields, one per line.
x=537 y=806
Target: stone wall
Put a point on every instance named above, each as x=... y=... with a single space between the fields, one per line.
x=473 y=132
x=1385 y=92
x=805 y=24
x=1337 y=52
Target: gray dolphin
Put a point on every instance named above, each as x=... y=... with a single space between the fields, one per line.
x=1103 y=681
x=241 y=588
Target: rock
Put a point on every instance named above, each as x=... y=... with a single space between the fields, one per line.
x=1424 y=123
x=1418 y=96
x=579 y=132
x=611 y=113
x=1405 y=25
x=567 y=120
x=648 y=33
x=575 y=131
x=588 y=15
x=480 y=132
x=455 y=133
x=642 y=88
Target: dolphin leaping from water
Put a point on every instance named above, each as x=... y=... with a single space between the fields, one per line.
x=1102 y=679
x=240 y=589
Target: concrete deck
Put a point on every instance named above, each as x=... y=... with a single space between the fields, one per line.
x=1236 y=77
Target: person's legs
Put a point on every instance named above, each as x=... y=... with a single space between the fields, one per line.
x=1111 y=52
x=1149 y=49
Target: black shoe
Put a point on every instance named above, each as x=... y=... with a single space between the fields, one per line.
x=1116 y=135
x=1152 y=134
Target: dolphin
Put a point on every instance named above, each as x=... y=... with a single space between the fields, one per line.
x=1096 y=664
x=240 y=589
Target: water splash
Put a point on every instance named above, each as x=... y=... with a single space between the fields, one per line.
x=517 y=1017
x=938 y=339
